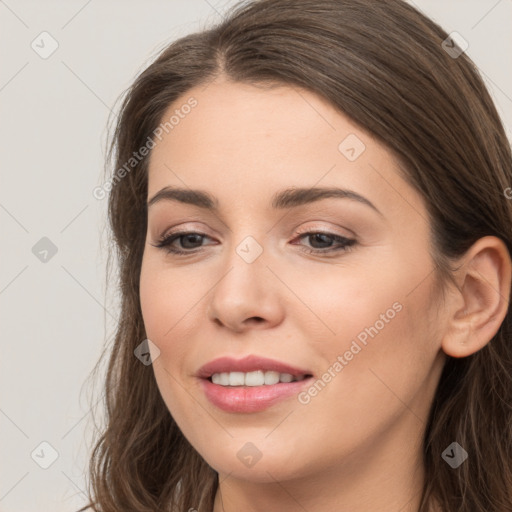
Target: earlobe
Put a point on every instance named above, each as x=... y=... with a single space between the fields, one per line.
x=482 y=300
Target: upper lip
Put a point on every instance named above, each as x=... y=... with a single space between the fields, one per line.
x=248 y=364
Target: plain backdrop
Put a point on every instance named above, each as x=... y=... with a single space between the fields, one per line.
x=55 y=314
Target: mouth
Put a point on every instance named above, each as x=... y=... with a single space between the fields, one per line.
x=251 y=384
x=255 y=378
x=252 y=370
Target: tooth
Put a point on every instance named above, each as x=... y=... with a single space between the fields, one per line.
x=236 y=378
x=256 y=378
x=271 y=377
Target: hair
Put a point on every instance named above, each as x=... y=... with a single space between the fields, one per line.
x=383 y=65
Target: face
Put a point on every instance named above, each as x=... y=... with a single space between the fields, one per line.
x=338 y=289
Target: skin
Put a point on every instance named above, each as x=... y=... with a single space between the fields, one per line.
x=356 y=445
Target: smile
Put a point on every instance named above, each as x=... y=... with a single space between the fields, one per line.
x=255 y=378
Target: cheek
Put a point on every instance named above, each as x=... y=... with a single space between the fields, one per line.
x=164 y=313
x=164 y=301
x=384 y=347
x=378 y=319
x=170 y=304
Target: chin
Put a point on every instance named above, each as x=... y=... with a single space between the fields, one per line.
x=246 y=463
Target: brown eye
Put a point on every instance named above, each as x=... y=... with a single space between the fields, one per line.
x=321 y=242
x=189 y=241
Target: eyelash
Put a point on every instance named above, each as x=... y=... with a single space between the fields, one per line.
x=346 y=244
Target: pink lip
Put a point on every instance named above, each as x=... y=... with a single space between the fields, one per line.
x=247 y=364
x=245 y=399
x=251 y=398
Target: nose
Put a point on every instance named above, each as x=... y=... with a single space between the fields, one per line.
x=246 y=296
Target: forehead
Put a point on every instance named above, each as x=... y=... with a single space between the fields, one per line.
x=240 y=116
x=240 y=140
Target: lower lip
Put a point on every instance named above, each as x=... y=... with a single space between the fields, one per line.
x=251 y=398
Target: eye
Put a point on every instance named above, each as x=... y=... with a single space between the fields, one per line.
x=322 y=238
x=191 y=241
x=190 y=237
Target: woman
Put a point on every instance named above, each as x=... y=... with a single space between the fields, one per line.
x=310 y=213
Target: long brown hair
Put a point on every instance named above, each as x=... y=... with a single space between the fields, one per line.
x=384 y=65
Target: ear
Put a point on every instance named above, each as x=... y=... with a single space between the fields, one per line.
x=482 y=300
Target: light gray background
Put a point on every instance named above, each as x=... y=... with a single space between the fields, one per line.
x=55 y=315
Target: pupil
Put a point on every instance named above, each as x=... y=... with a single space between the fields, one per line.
x=326 y=238
x=187 y=238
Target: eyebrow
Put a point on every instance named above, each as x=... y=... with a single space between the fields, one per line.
x=289 y=198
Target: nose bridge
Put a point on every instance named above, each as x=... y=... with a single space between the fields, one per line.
x=244 y=291
x=245 y=266
x=247 y=239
